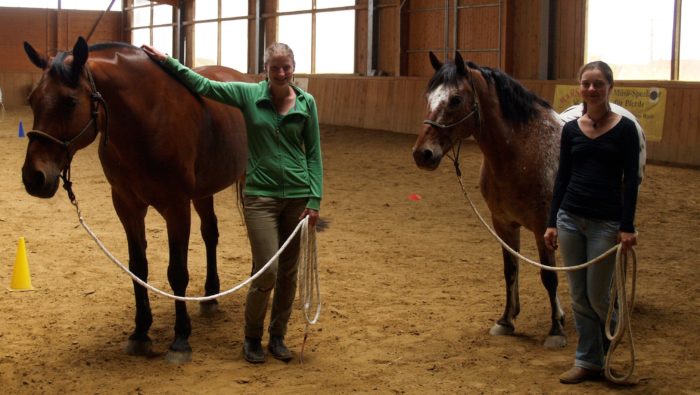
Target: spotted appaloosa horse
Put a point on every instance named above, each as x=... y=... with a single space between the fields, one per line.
x=160 y=146
x=519 y=135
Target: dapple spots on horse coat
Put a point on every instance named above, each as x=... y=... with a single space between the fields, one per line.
x=519 y=135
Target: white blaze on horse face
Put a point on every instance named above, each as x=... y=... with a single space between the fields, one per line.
x=438 y=97
x=437 y=100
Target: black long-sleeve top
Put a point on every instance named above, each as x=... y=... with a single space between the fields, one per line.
x=590 y=180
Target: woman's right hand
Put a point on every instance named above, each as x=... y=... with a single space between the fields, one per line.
x=550 y=238
x=154 y=53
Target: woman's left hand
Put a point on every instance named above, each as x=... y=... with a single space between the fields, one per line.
x=628 y=240
x=313 y=216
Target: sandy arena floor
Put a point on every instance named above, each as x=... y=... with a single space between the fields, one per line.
x=410 y=289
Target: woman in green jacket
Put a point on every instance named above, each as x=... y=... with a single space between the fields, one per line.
x=284 y=183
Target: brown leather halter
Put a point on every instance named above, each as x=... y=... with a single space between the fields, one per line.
x=476 y=112
x=95 y=100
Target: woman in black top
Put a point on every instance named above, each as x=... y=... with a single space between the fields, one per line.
x=593 y=207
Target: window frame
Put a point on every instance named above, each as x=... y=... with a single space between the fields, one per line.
x=314 y=11
x=193 y=22
x=675 y=54
x=150 y=26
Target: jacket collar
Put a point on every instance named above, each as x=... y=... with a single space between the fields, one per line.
x=266 y=97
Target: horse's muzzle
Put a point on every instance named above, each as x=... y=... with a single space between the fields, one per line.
x=39 y=183
x=426 y=159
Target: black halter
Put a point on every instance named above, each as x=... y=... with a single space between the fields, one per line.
x=476 y=112
x=95 y=100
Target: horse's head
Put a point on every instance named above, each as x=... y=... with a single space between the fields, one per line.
x=453 y=111
x=65 y=112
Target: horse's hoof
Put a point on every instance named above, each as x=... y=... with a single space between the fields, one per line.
x=178 y=357
x=555 y=342
x=501 y=330
x=139 y=347
x=208 y=308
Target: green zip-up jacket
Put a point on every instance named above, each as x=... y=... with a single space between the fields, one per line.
x=284 y=153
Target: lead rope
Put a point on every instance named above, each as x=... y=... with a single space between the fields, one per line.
x=301 y=226
x=624 y=315
x=309 y=289
x=624 y=322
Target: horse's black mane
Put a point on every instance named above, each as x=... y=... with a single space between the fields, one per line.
x=518 y=104
x=70 y=78
x=110 y=45
x=66 y=74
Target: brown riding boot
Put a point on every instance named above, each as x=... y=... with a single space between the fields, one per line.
x=577 y=375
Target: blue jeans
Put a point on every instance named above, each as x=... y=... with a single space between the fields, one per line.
x=582 y=239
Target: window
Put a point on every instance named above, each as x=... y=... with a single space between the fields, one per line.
x=689 y=67
x=636 y=38
x=100 y=5
x=95 y=5
x=321 y=33
x=152 y=23
x=221 y=33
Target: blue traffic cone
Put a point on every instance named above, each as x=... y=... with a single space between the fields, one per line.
x=21 y=130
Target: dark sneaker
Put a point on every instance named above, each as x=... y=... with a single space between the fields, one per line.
x=253 y=350
x=278 y=349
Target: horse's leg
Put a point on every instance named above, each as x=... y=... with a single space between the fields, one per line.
x=132 y=214
x=210 y=235
x=556 y=337
x=511 y=235
x=178 y=219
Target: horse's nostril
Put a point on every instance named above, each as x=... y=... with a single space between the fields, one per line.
x=33 y=180
x=427 y=155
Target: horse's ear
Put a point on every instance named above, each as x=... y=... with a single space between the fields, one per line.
x=459 y=62
x=80 y=55
x=38 y=60
x=434 y=61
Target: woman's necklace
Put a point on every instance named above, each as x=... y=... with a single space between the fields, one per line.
x=602 y=118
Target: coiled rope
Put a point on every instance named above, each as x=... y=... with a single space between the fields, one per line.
x=618 y=292
x=309 y=290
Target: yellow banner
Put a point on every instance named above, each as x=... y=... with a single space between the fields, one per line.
x=647 y=104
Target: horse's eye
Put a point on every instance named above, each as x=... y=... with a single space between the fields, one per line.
x=455 y=101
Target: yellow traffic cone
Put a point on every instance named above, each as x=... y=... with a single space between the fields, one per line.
x=21 y=280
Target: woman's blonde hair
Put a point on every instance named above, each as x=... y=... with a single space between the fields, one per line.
x=278 y=49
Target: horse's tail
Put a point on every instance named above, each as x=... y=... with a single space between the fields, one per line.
x=239 y=186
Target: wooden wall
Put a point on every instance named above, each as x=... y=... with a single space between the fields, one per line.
x=47 y=31
x=405 y=34
x=397 y=104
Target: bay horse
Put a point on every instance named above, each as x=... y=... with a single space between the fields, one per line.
x=160 y=146
x=519 y=135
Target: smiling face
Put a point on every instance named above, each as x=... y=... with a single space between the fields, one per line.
x=279 y=69
x=279 y=64
x=594 y=87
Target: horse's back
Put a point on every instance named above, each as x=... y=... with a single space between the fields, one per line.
x=222 y=73
x=223 y=147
